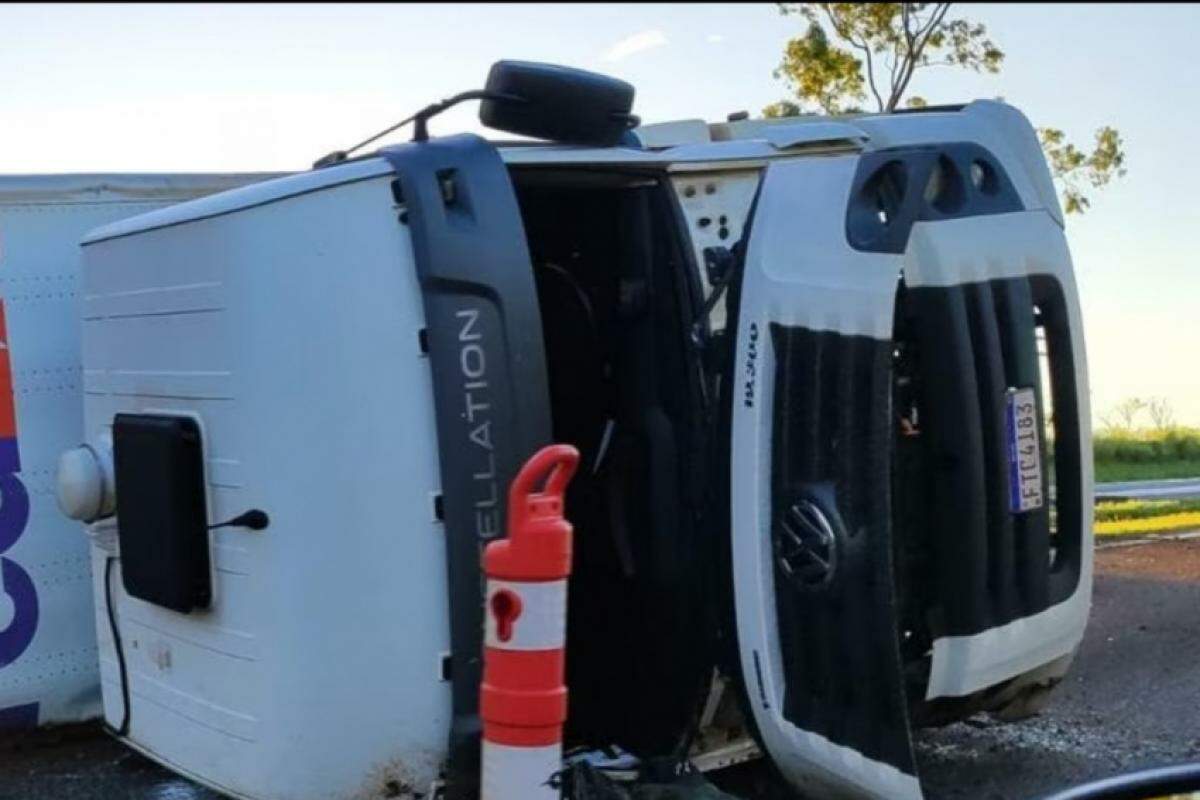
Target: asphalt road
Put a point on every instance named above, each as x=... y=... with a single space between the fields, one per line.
x=1131 y=701
x=1175 y=489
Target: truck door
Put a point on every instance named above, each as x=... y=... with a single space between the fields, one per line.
x=845 y=251
x=484 y=339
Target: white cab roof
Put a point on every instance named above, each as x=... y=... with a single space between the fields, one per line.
x=681 y=157
x=729 y=143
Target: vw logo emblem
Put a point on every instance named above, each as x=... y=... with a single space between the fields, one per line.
x=806 y=546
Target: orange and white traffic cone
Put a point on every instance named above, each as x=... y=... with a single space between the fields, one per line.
x=523 y=699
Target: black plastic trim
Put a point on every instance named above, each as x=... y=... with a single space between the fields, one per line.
x=895 y=188
x=944 y=108
x=840 y=643
x=489 y=378
x=976 y=341
x=1050 y=299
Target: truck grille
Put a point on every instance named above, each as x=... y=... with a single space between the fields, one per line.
x=964 y=348
x=831 y=452
x=902 y=448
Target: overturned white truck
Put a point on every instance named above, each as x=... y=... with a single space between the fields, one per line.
x=828 y=381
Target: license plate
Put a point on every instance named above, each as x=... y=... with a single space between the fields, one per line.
x=1024 y=452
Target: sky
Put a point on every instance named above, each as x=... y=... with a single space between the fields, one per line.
x=272 y=87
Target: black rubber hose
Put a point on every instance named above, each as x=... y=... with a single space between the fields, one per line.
x=123 y=730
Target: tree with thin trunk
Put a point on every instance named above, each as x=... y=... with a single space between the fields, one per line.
x=851 y=49
x=1124 y=415
x=1162 y=416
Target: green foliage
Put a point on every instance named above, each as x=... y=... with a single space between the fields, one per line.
x=820 y=74
x=1122 y=452
x=1147 y=447
x=1111 y=511
x=1142 y=517
x=1073 y=167
x=851 y=49
x=1124 y=449
x=782 y=108
x=1108 y=471
x=885 y=44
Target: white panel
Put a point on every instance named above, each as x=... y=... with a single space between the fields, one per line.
x=42 y=219
x=542 y=622
x=287 y=322
x=716 y=208
x=520 y=773
x=800 y=271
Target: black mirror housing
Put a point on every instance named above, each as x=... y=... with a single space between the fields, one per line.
x=561 y=104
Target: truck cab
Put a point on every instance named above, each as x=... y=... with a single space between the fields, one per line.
x=826 y=377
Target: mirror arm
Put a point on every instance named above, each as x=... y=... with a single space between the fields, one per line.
x=631 y=121
x=422 y=117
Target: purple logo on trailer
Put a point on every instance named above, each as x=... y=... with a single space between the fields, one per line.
x=14 y=516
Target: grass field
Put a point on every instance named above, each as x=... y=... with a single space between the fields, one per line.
x=1142 y=455
x=1129 y=517
x=1112 y=472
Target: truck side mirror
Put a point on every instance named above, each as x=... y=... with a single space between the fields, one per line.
x=561 y=104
